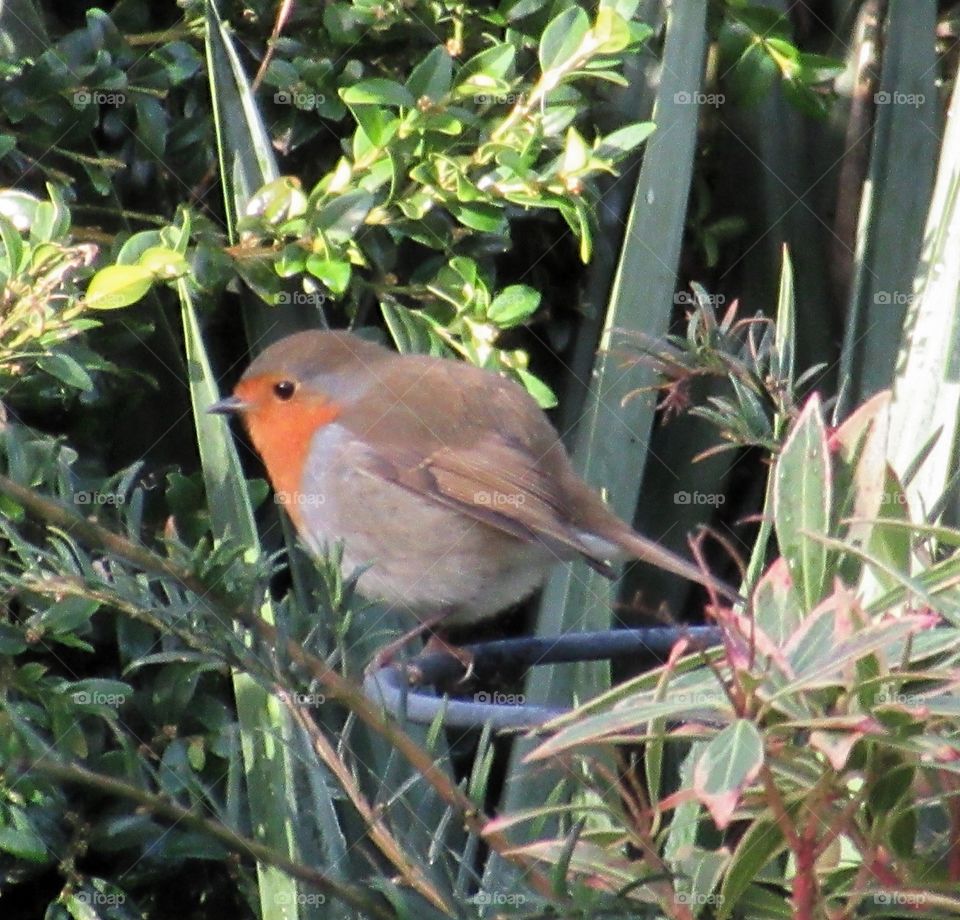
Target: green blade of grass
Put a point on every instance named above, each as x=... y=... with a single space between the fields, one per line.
x=926 y=392
x=247 y=163
x=642 y=299
x=268 y=770
x=246 y=157
x=896 y=195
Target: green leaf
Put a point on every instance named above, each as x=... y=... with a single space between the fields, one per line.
x=762 y=842
x=822 y=652
x=20 y=208
x=576 y=153
x=897 y=782
x=775 y=603
x=480 y=216
x=12 y=641
x=750 y=71
x=562 y=39
x=153 y=125
x=520 y=9
x=513 y=305
x=118 y=286
x=762 y=22
x=68 y=614
x=137 y=245
x=816 y=68
x=376 y=124
x=99 y=692
x=432 y=76
x=164 y=263
x=335 y=275
x=545 y=397
x=268 y=770
x=803 y=490
x=278 y=201
x=412 y=331
x=728 y=764
x=247 y=161
x=341 y=217
x=623 y=140
x=67 y=370
x=611 y=31
x=12 y=246
x=782 y=360
x=488 y=68
x=378 y=91
x=23 y=843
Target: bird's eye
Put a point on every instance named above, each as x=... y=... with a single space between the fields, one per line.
x=284 y=389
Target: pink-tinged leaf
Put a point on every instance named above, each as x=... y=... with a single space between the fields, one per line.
x=890 y=544
x=598 y=867
x=775 y=604
x=802 y=502
x=835 y=746
x=832 y=622
x=861 y=442
x=728 y=764
x=822 y=659
x=630 y=717
x=847 y=438
x=675 y=800
x=751 y=639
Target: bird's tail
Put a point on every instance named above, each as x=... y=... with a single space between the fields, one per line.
x=639 y=547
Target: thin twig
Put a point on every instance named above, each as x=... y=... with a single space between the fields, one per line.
x=358 y=898
x=349 y=694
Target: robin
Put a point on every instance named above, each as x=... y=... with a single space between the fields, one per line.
x=445 y=481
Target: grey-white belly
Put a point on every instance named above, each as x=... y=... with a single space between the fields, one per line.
x=419 y=554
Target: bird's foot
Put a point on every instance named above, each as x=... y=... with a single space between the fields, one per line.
x=385 y=656
x=437 y=645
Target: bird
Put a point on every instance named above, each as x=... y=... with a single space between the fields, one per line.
x=446 y=483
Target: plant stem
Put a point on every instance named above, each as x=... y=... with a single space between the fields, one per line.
x=358 y=898
x=348 y=693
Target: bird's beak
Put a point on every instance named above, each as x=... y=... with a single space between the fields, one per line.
x=229 y=405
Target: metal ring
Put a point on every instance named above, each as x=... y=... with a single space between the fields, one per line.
x=390 y=686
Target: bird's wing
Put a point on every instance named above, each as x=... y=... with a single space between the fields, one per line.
x=493 y=482
x=477 y=443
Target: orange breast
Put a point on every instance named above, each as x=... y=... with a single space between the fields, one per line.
x=281 y=433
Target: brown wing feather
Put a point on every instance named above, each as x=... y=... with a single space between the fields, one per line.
x=481 y=486
x=485 y=449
